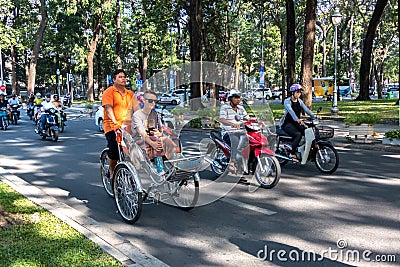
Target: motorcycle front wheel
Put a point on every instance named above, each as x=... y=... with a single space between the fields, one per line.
x=127 y=197
x=327 y=159
x=185 y=193
x=268 y=171
x=218 y=155
x=15 y=119
x=54 y=135
x=105 y=173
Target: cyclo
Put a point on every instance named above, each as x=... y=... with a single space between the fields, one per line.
x=136 y=181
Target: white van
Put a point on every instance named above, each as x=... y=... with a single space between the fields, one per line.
x=261 y=93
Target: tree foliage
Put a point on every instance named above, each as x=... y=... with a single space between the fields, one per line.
x=85 y=39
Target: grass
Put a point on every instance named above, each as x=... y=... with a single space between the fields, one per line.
x=32 y=236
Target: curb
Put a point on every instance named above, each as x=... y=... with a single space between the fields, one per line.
x=109 y=241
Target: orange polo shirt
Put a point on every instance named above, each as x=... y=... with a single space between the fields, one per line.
x=122 y=106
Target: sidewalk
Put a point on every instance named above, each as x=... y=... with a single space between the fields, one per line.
x=342 y=138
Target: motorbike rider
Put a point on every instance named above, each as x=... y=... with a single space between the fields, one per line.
x=290 y=121
x=228 y=115
x=46 y=105
x=59 y=105
x=4 y=103
x=15 y=101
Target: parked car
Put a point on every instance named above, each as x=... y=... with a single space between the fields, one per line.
x=168 y=98
x=98 y=118
x=181 y=92
x=168 y=117
x=222 y=97
x=260 y=93
x=277 y=94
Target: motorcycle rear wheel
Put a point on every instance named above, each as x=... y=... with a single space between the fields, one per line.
x=269 y=173
x=327 y=159
x=218 y=155
x=105 y=173
x=127 y=197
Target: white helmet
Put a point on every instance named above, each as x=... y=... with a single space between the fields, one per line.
x=38 y=94
x=233 y=93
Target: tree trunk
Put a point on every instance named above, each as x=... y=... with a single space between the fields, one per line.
x=367 y=51
x=195 y=23
x=15 y=88
x=308 y=51
x=290 y=43
x=36 y=48
x=119 y=33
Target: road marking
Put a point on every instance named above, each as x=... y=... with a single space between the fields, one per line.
x=247 y=206
x=371 y=175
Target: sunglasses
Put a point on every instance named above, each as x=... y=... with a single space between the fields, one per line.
x=151 y=100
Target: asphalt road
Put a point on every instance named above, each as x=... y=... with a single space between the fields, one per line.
x=353 y=211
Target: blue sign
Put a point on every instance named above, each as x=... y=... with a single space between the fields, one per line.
x=171 y=82
x=139 y=83
x=262 y=72
x=109 y=81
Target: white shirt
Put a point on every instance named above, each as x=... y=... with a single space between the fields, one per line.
x=47 y=105
x=13 y=101
x=228 y=113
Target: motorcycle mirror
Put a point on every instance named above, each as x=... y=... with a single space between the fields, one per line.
x=319 y=109
x=238 y=118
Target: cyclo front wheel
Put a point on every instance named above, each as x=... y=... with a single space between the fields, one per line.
x=268 y=171
x=128 y=198
x=105 y=173
x=185 y=193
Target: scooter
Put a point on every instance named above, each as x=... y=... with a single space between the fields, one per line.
x=314 y=147
x=4 y=123
x=14 y=114
x=30 y=110
x=50 y=127
x=253 y=155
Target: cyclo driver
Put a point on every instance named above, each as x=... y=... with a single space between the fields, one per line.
x=228 y=116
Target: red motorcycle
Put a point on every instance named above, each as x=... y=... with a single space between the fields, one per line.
x=253 y=155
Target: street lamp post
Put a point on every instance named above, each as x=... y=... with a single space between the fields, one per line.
x=336 y=19
x=183 y=51
x=58 y=82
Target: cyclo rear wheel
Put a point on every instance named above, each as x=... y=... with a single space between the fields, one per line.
x=185 y=193
x=128 y=198
x=105 y=173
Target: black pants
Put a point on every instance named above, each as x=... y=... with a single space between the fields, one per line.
x=296 y=131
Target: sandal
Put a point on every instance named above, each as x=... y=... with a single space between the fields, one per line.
x=294 y=158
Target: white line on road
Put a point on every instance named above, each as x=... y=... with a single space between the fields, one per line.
x=247 y=206
x=371 y=175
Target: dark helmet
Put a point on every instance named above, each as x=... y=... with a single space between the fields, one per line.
x=47 y=95
x=295 y=87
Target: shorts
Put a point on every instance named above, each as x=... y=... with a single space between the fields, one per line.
x=112 y=145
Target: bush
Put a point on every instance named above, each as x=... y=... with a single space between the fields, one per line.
x=393 y=134
x=362 y=118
